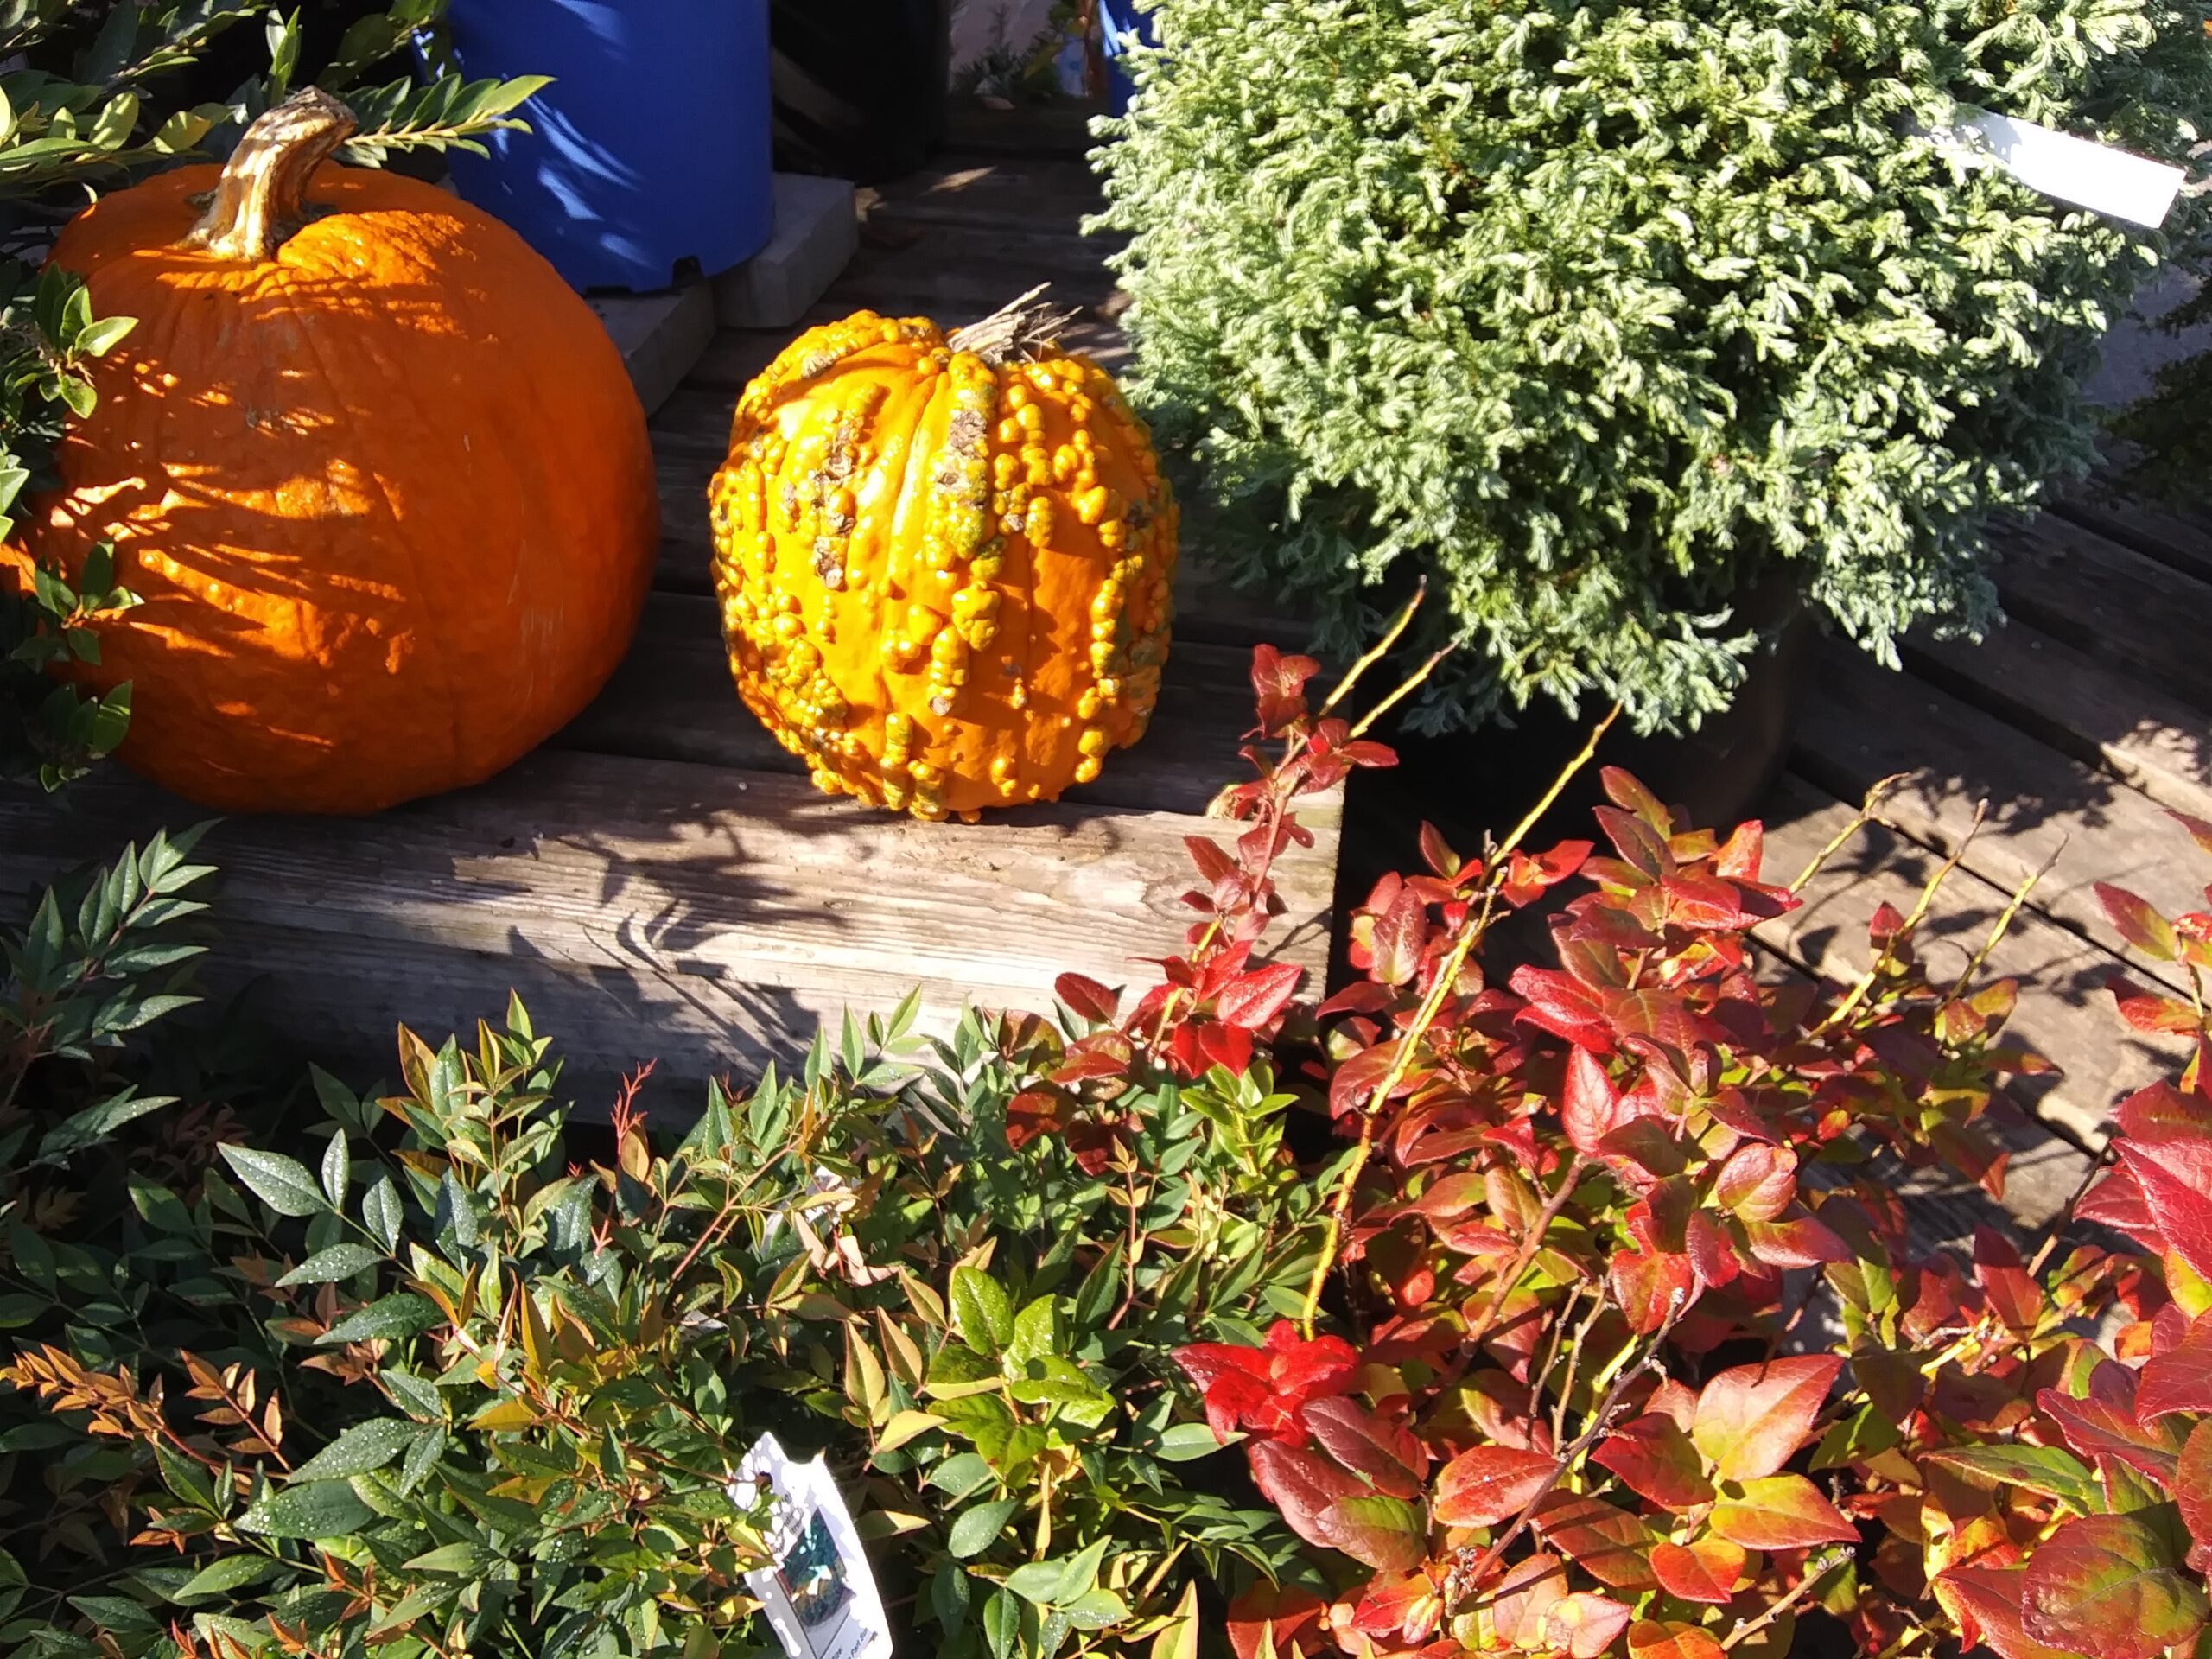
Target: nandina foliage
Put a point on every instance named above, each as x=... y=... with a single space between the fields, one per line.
x=1573 y=1409
x=945 y=562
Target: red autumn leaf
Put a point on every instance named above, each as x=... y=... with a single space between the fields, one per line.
x=1753 y=1419
x=2179 y=1379
x=1758 y=1181
x=1031 y=1113
x=1626 y=790
x=1395 y=946
x=1519 y=1600
x=1437 y=854
x=2105 y=1421
x=1705 y=1571
x=1654 y=1639
x=1590 y=1107
x=1385 y=1533
x=1779 y=1512
x=2200 y=831
x=2153 y=1013
x=1411 y=1607
x=1584 y=1623
x=1087 y=997
x=1256 y=998
x=1740 y=857
x=1986 y=1603
x=2013 y=1294
x=1365 y=751
x=1101 y=1054
x=1279 y=686
x=1266 y=1389
x=2162 y=1112
x=1286 y=1614
x=2176 y=1177
x=1797 y=1239
x=1712 y=1252
x=1385 y=1451
x=2193 y=1484
x=2137 y=922
x=1488 y=1483
x=1647 y=1285
x=2107 y=1584
x=1527 y=877
x=1654 y=1459
x=1559 y=1005
x=1604 y=1540
x=1214 y=864
x=2117 y=1202
x=1303 y=1485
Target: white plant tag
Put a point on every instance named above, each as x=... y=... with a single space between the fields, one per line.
x=2095 y=176
x=820 y=1597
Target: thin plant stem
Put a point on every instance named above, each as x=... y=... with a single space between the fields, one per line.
x=2004 y=923
x=1381 y=649
x=1871 y=977
x=1869 y=813
x=1816 y=1569
x=1407 y=687
x=2066 y=1215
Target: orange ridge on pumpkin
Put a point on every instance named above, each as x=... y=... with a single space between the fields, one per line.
x=379 y=477
x=945 y=575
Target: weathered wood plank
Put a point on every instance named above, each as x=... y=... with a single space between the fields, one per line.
x=2064 y=1012
x=1060 y=129
x=1863 y=723
x=2096 y=596
x=989 y=192
x=729 y=891
x=2154 y=530
x=2099 y=715
x=672 y=700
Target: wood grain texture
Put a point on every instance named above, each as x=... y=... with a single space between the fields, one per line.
x=2064 y=1015
x=1869 y=723
x=672 y=700
x=2093 y=711
x=745 y=897
x=2095 y=594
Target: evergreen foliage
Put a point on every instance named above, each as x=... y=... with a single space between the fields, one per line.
x=1600 y=314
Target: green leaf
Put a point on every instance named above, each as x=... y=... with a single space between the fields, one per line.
x=1182 y=1442
x=220 y=1576
x=339 y=1261
x=1079 y=1573
x=960 y=1474
x=99 y=339
x=2051 y=1470
x=361 y=1449
x=1097 y=1609
x=1002 y=1623
x=279 y=1182
x=981 y=1313
x=461 y=1561
x=390 y=1318
x=315 y=1508
x=334 y=1170
x=975 y=1529
x=1038 y=1581
x=2107 y=1584
x=381 y=1211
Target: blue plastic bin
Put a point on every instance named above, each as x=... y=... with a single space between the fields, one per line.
x=651 y=147
x=1122 y=26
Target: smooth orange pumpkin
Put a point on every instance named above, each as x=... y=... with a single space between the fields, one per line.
x=944 y=563
x=378 y=475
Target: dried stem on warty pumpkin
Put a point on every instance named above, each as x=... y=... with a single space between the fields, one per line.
x=262 y=198
x=1016 y=332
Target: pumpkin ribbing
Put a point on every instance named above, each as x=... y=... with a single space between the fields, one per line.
x=378 y=476
x=944 y=573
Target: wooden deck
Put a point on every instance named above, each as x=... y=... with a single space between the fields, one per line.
x=2079 y=723
x=661 y=881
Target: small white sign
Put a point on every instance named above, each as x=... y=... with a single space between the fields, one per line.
x=2095 y=176
x=820 y=1596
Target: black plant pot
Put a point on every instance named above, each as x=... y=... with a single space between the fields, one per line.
x=861 y=86
x=1470 y=784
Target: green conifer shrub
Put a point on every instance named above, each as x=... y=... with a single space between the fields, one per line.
x=1600 y=314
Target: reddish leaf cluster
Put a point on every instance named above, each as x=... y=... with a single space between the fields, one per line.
x=1588 y=1196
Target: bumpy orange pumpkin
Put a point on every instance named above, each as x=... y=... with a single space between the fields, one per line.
x=944 y=563
x=378 y=475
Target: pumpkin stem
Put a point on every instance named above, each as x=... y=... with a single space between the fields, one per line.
x=262 y=198
x=1023 y=329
